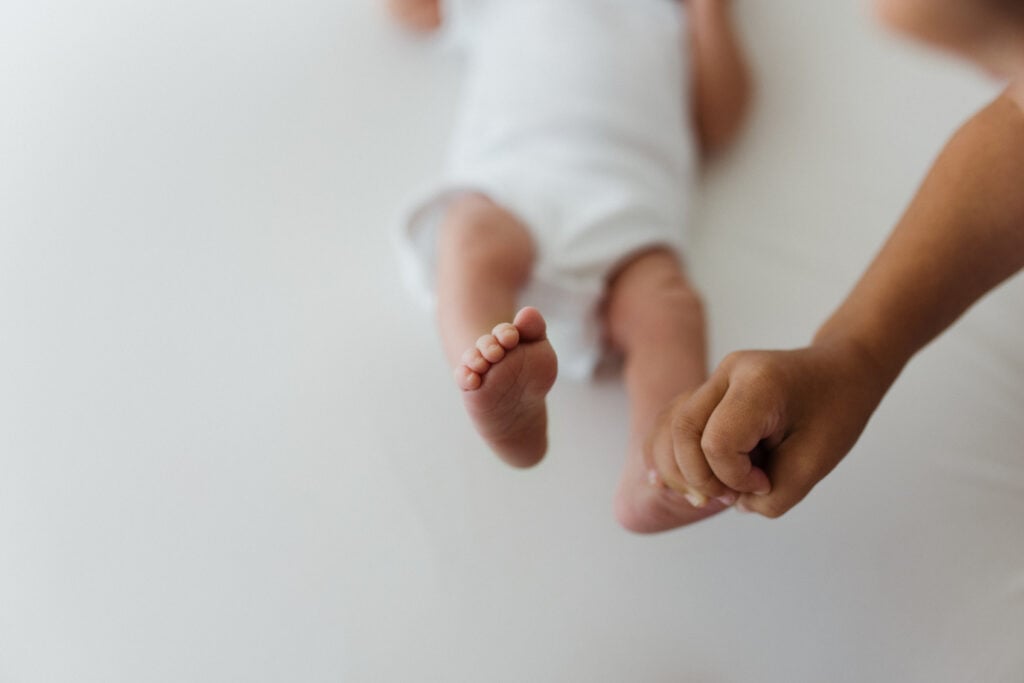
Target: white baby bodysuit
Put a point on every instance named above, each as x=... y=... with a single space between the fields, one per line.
x=575 y=117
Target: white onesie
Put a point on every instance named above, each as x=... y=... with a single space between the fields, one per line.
x=575 y=118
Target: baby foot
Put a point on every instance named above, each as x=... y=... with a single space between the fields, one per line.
x=645 y=504
x=505 y=379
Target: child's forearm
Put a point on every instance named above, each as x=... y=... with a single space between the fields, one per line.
x=962 y=235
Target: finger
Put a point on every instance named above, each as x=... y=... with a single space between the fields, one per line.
x=795 y=467
x=747 y=414
x=688 y=424
x=662 y=463
x=664 y=473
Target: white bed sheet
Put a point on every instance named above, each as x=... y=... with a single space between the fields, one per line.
x=229 y=449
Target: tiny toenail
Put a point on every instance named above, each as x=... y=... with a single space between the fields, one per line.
x=727 y=500
x=652 y=478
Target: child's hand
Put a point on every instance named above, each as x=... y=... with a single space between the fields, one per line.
x=768 y=425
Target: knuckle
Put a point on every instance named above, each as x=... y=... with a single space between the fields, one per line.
x=733 y=360
x=715 y=444
x=760 y=374
x=684 y=424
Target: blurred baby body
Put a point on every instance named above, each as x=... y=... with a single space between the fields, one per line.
x=567 y=187
x=573 y=117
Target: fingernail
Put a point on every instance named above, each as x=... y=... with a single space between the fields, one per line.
x=696 y=500
x=728 y=499
x=740 y=506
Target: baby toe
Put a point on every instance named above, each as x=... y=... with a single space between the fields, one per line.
x=507 y=335
x=466 y=379
x=490 y=349
x=472 y=359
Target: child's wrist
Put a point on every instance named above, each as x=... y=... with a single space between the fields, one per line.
x=868 y=356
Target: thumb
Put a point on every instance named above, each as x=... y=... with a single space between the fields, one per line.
x=795 y=466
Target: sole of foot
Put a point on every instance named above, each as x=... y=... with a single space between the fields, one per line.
x=645 y=505
x=505 y=379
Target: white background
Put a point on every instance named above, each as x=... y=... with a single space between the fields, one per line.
x=230 y=449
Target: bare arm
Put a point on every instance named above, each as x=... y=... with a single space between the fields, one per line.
x=722 y=85
x=802 y=411
x=962 y=235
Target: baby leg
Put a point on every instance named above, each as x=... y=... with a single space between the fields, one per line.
x=485 y=256
x=655 y=317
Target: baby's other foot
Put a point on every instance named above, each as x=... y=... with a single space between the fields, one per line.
x=505 y=380
x=645 y=504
